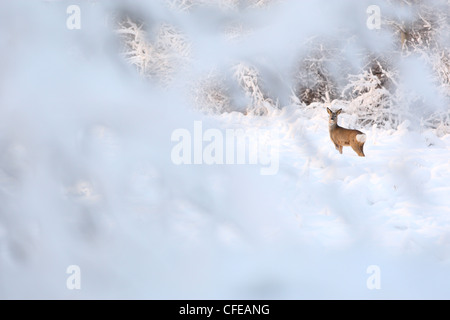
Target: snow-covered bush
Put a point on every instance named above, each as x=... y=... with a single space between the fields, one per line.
x=313 y=80
x=160 y=59
x=440 y=121
x=370 y=99
x=250 y=81
x=422 y=28
x=211 y=94
x=242 y=91
x=440 y=60
x=425 y=35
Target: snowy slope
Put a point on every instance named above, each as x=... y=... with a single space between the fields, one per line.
x=397 y=191
x=87 y=179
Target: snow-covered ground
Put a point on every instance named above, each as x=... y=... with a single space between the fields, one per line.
x=87 y=179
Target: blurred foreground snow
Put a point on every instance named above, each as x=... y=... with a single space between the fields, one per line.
x=86 y=176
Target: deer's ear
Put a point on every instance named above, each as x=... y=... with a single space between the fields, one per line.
x=339 y=111
x=329 y=111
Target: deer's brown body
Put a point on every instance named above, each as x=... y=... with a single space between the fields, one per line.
x=342 y=137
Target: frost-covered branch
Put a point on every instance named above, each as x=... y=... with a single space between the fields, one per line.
x=159 y=59
x=211 y=95
x=250 y=81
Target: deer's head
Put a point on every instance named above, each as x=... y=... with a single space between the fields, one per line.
x=333 y=116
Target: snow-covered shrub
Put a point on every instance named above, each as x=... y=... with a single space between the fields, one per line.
x=440 y=121
x=159 y=59
x=313 y=80
x=211 y=94
x=439 y=62
x=250 y=81
x=425 y=34
x=441 y=65
x=421 y=29
x=371 y=97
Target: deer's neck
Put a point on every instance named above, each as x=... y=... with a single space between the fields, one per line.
x=332 y=126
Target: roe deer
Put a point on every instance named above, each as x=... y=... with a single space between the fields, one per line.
x=342 y=137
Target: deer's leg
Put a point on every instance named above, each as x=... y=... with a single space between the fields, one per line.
x=358 y=149
x=340 y=149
